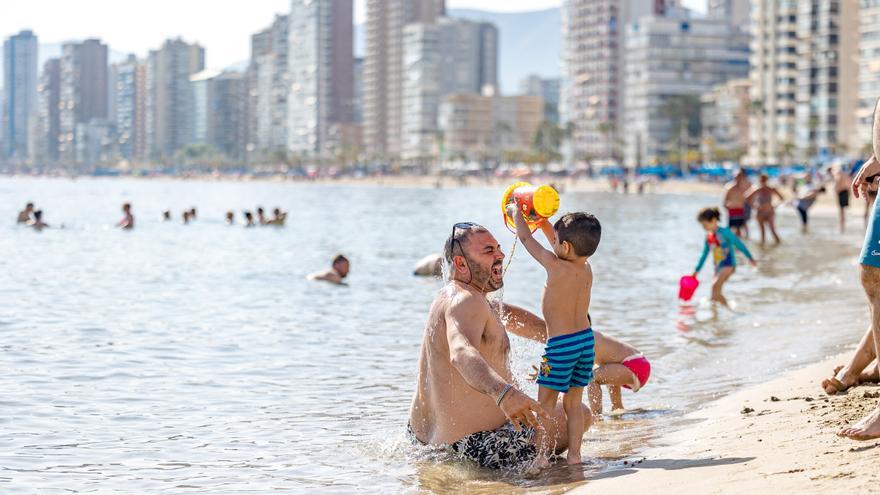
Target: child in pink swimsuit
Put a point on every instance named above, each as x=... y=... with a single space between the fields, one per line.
x=618 y=365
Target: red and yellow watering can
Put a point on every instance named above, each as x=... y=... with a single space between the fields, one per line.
x=537 y=203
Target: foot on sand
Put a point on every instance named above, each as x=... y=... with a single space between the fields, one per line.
x=837 y=383
x=868 y=428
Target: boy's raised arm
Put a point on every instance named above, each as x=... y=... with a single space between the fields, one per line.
x=542 y=255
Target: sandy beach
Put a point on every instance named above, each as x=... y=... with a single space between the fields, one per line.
x=778 y=436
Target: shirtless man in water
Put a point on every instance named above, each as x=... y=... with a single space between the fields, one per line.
x=24 y=216
x=868 y=428
x=337 y=272
x=735 y=203
x=465 y=399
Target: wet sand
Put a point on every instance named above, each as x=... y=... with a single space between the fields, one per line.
x=777 y=437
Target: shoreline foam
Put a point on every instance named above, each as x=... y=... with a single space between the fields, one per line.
x=787 y=443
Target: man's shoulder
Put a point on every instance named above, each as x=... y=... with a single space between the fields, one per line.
x=462 y=301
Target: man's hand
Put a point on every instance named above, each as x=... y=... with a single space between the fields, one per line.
x=520 y=409
x=753 y=263
x=860 y=184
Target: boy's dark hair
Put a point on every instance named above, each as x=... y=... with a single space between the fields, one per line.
x=38 y=214
x=339 y=259
x=709 y=214
x=581 y=230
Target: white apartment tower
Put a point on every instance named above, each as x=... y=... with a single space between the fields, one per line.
x=321 y=71
x=383 y=75
x=592 y=71
x=869 y=74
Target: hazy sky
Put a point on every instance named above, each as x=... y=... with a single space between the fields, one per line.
x=222 y=26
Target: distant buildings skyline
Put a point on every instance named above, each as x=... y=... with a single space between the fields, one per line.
x=633 y=72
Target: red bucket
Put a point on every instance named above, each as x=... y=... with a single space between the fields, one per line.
x=687 y=286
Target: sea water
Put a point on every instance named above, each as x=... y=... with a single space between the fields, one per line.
x=197 y=358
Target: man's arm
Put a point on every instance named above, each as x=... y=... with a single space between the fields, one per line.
x=466 y=321
x=524 y=323
x=542 y=255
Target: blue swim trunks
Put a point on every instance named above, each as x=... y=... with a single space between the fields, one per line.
x=568 y=361
x=871 y=250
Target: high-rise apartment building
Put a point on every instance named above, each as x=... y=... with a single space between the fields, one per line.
x=321 y=70
x=670 y=62
x=268 y=88
x=449 y=56
x=803 y=65
x=20 y=92
x=169 y=96
x=547 y=89
x=773 y=73
x=46 y=129
x=129 y=102
x=384 y=70
x=737 y=12
x=219 y=118
x=828 y=43
x=83 y=93
x=869 y=74
x=592 y=80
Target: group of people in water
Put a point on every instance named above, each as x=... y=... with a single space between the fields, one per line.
x=33 y=218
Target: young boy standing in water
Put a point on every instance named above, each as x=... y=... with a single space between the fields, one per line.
x=723 y=244
x=567 y=364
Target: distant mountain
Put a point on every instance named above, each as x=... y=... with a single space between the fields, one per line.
x=530 y=42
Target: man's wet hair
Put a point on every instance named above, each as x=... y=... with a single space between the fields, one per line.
x=582 y=230
x=709 y=214
x=458 y=238
x=339 y=259
x=126 y=205
x=38 y=214
x=29 y=205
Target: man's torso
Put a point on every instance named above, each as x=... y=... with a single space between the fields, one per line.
x=445 y=408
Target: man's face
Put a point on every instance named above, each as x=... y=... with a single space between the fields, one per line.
x=342 y=268
x=485 y=261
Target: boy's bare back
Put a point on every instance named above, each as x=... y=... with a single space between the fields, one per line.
x=566 y=299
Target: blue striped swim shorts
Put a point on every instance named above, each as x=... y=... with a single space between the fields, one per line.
x=568 y=361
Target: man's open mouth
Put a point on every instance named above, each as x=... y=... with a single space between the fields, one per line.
x=496 y=271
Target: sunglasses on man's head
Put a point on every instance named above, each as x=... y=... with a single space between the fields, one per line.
x=459 y=225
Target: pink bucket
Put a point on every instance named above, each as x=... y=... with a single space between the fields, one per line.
x=687 y=286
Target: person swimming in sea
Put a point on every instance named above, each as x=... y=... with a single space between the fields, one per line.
x=336 y=273
x=278 y=219
x=24 y=216
x=127 y=222
x=248 y=219
x=230 y=218
x=722 y=243
x=37 y=223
